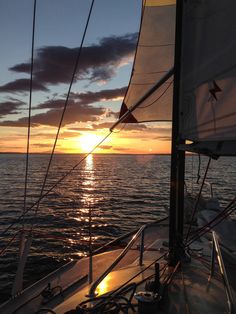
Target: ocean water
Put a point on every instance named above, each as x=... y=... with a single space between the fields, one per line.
x=120 y=192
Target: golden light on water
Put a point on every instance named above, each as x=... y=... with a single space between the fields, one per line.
x=89 y=162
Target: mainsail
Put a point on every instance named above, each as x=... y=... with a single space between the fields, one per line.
x=208 y=93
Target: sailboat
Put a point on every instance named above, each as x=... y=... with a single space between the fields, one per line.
x=184 y=71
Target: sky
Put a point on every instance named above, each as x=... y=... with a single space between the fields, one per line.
x=101 y=80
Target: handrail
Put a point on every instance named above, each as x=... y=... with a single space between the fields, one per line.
x=92 y=289
x=216 y=249
x=141 y=230
x=128 y=234
x=210 y=185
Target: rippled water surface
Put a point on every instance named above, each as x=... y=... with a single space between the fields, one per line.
x=120 y=191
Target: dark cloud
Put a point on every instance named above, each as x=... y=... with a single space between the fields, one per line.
x=68 y=134
x=120 y=127
x=104 y=125
x=21 y=85
x=79 y=109
x=105 y=146
x=85 y=98
x=9 y=107
x=47 y=145
x=132 y=127
x=164 y=138
x=121 y=149
x=105 y=94
x=108 y=125
x=80 y=129
x=54 y=64
x=75 y=113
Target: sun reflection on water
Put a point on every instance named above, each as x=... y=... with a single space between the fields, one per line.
x=89 y=162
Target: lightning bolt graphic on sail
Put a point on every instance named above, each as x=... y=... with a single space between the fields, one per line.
x=214 y=90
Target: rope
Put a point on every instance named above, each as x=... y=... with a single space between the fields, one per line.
x=117 y=293
x=29 y=117
x=192 y=177
x=228 y=211
x=198 y=199
x=199 y=169
x=162 y=94
x=64 y=109
x=9 y=243
x=139 y=273
x=121 y=129
x=224 y=212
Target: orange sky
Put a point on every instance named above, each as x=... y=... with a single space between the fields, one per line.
x=98 y=88
x=132 y=139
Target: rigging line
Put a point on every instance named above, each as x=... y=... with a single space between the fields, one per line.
x=126 y=285
x=199 y=169
x=223 y=215
x=55 y=184
x=143 y=98
x=198 y=199
x=158 y=98
x=29 y=116
x=198 y=236
x=209 y=226
x=8 y=244
x=121 y=119
x=121 y=129
x=70 y=171
x=64 y=109
x=192 y=177
x=140 y=272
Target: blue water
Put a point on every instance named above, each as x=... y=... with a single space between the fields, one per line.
x=121 y=191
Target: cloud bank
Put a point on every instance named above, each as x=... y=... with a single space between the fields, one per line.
x=54 y=65
x=79 y=109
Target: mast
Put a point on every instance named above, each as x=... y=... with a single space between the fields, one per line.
x=177 y=156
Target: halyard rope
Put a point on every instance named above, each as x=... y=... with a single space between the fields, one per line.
x=198 y=199
x=30 y=106
x=64 y=109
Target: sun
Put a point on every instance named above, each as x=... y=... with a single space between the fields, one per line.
x=88 y=141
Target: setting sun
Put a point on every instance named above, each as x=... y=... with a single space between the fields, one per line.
x=88 y=141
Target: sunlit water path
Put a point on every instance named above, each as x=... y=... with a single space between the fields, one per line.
x=122 y=192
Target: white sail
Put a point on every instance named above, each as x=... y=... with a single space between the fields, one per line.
x=208 y=72
x=208 y=108
x=154 y=57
